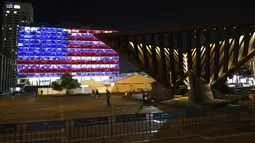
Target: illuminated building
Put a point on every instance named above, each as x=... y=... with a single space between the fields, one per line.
x=14 y=14
x=45 y=53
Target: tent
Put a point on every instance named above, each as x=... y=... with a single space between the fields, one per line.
x=88 y=85
x=92 y=83
x=130 y=83
x=137 y=79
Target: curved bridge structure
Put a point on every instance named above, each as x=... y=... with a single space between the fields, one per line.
x=167 y=55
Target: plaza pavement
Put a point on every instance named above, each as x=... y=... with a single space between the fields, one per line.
x=28 y=108
x=234 y=133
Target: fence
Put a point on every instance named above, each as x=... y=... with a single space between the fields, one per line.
x=77 y=130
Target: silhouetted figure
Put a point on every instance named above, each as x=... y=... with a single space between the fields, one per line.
x=36 y=93
x=41 y=92
x=97 y=93
x=13 y=94
x=108 y=96
x=143 y=94
x=1 y=95
x=93 y=94
x=130 y=93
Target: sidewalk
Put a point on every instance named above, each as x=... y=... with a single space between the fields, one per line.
x=198 y=134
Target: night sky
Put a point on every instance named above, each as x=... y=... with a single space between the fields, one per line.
x=142 y=14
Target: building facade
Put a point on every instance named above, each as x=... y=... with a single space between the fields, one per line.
x=14 y=14
x=45 y=53
x=7 y=70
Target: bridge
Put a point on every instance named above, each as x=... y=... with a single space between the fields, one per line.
x=213 y=52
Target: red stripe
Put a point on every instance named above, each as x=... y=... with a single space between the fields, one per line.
x=89 y=31
x=68 y=70
x=91 y=54
x=82 y=38
x=91 y=46
x=64 y=62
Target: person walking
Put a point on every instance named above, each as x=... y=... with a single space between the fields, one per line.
x=1 y=95
x=13 y=94
x=36 y=94
x=92 y=94
x=143 y=95
x=41 y=92
x=130 y=93
x=97 y=93
x=108 y=96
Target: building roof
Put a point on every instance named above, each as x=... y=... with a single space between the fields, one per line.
x=114 y=80
x=174 y=29
x=92 y=83
x=130 y=79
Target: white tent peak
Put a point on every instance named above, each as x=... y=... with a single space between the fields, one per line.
x=92 y=83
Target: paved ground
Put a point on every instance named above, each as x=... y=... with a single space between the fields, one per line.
x=24 y=109
x=233 y=137
x=235 y=133
x=27 y=108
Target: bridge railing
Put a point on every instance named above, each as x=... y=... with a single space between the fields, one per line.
x=100 y=128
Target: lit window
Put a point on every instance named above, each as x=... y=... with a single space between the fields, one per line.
x=17 y=25
x=4 y=38
x=6 y=14
x=7 y=11
x=9 y=6
x=16 y=6
x=15 y=12
x=10 y=28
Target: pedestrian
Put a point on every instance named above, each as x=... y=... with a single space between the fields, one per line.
x=126 y=93
x=108 y=96
x=97 y=93
x=36 y=93
x=130 y=93
x=144 y=96
x=1 y=95
x=92 y=94
x=41 y=92
x=13 y=94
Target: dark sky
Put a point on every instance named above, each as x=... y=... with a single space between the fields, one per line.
x=142 y=14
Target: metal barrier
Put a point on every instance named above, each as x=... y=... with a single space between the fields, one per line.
x=76 y=130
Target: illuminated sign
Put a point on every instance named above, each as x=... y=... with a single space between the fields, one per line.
x=50 y=52
x=16 y=6
x=9 y=6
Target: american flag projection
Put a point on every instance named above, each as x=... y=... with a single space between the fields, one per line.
x=50 y=52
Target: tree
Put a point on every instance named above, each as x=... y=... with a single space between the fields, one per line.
x=66 y=82
x=56 y=85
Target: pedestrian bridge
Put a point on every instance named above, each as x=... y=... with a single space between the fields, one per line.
x=213 y=52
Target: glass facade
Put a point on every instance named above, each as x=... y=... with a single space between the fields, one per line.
x=50 y=52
